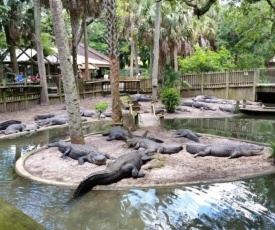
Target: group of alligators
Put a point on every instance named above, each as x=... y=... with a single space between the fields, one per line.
x=129 y=164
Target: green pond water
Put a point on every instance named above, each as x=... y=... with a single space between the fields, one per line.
x=243 y=204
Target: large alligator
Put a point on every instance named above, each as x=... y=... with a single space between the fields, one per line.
x=223 y=149
x=81 y=153
x=140 y=97
x=117 y=133
x=125 y=166
x=151 y=146
x=212 y=99
x=228 y=109
x=5 y=124
x=14 y=128
x=187 y=134
x=56 y=120
x=31 y=127
x=199 y=105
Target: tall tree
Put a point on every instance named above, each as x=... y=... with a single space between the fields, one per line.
x=44 y=99
x=112 y=38
x=81 y=12
x=156 y=51
x=17 y=23
x=68 y=79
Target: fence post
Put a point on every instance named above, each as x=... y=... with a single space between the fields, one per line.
x=255 y=81
x=202 y=83
x=227 y=84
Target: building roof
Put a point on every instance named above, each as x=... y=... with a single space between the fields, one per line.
x=96 y=59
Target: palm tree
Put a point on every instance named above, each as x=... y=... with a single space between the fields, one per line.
x=70 y=91
x=17 y=21
x=112 y=38
x=156 y=51
x=44 y=99
x=82 y=13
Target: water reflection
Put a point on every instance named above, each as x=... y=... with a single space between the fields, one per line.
x=254 y=128
x=247 y=204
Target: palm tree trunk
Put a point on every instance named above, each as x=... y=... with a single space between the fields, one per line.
x=112 y=38
x=136 y=57
x=156 y=51
x=68 y=78
x=12 y=49
x=132 y=58
x=44 y=99
x=176 y=65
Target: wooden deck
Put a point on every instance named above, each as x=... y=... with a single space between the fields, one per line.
x=259 y=111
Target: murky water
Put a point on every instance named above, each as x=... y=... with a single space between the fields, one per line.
x=246 y=204
x=254 y=128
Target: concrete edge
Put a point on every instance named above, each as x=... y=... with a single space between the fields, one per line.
x=20 y=170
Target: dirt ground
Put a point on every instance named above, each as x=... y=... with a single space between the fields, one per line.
x=177 y=168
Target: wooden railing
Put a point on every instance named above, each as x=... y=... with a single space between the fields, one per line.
x=228 y=85
x=19 y=96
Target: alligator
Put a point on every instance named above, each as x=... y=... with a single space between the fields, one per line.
x=125 y=166
x=5 y=124
x=140 y=97
x=228 y=109
x=14 y=128
x=30 y=127
x=151 y=146
x=56 y=120
x=212 y=99
x=196 y=104
x=117 y=133
x=81 y=152
x=49 y=115
x=187 y=134
x=224 y=149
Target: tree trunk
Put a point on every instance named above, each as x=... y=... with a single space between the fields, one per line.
x=44 y=99
x=132 y=58
x=114 y=80
x=176 y=65
x=74 y=26
x=156 y=51
x=68 y=78
x=112 y=38
x=12 y=50
x=86 y=47
x=136 y=57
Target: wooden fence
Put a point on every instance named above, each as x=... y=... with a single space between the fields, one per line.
x=228 y=85
x=19 y=96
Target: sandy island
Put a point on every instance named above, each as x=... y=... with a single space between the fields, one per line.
x=47 y=166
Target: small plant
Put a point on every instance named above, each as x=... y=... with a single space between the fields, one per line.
x=272 y=145
x=101 y=107
x=170 y=97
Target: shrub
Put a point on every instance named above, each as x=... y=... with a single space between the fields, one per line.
x=101 y=107
x=170 y=97
x=206 y=61
x=272 y=145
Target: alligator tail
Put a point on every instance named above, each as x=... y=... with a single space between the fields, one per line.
x=98 y=178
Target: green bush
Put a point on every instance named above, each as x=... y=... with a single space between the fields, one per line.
x=170 y=97
x=272 y=146
x=101 y=106
x=206 y=61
